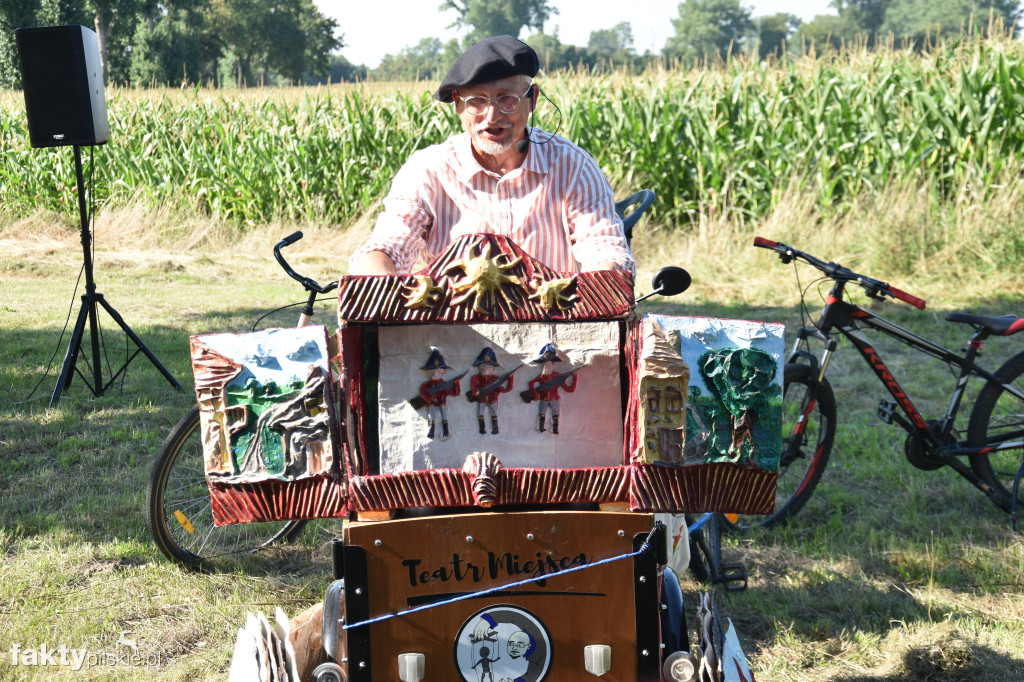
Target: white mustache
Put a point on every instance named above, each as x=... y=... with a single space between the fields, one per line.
x=484 y=126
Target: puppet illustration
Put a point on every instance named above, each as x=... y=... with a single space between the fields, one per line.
x=485 y=663
x=544 y=387
x=434 y=393
x=485 y=386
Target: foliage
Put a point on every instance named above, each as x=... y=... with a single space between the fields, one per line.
x=188 y=41
x=488 y=18
x=708 y=29
x=773 y=31
x=428 y=60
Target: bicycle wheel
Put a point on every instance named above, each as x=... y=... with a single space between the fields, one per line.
x=178 y=510
x=808 y=431
x=999 y=416
x=705 y=553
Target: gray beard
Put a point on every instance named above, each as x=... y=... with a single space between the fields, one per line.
x=494 y=148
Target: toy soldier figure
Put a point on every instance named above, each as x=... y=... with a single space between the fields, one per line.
x=544 y=387
x=435 y=392
x=484 y=388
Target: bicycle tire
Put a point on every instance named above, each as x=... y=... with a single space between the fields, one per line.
x=177 y=483
x=996 y=412
x=705 y=555
x=800 y=466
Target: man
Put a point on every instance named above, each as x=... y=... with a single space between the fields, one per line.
x=498 y=176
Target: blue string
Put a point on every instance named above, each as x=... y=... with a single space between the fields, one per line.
x=473 y=595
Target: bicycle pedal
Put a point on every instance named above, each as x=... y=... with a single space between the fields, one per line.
x=733 y=577
x=887 y=411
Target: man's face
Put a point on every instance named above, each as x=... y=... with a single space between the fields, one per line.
x=494 y=133
x=487 y=370
x=518 y=644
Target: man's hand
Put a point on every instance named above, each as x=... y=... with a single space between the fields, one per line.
x=376 y=263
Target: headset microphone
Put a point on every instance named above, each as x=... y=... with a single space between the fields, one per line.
x=524 y=143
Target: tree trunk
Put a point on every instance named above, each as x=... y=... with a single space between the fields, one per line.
x=102 y=31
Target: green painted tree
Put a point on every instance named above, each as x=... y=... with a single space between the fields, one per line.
x=742 y=380
x=487 y=18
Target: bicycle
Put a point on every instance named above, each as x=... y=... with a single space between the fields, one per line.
x=995 y=431
x=178 y=509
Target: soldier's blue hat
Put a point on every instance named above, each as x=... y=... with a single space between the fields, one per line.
x=435 y=361
x=486 y=357
x=547 y=354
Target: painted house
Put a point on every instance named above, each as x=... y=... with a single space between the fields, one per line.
x=663 y=386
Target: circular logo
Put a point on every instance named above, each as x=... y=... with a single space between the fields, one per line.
x=503 y=644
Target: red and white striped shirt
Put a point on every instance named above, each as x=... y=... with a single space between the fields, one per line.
x=557 y=206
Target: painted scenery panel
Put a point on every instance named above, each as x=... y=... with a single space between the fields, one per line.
x=533 y=395
x=263 y=401
x=733 y=402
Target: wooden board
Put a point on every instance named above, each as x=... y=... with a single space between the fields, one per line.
x=415 y=561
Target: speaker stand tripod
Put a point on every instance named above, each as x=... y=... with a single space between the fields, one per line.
x=90 y=300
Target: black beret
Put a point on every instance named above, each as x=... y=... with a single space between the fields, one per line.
x=489 y=60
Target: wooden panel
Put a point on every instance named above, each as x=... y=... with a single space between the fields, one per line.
x=413 y=561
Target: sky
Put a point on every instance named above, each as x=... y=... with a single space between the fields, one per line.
x=374 y=29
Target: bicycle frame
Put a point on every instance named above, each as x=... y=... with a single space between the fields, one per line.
x=849 y=319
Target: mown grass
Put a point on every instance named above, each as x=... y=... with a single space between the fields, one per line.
x=890 y=573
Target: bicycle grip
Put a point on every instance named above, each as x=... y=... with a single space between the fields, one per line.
x=907 y=298
x=291 y=239
x=765 y=243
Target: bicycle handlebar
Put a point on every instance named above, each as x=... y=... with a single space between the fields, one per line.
x=307 y=283
x=875 y=288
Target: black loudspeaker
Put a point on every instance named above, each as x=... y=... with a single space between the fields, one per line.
x=63 y=82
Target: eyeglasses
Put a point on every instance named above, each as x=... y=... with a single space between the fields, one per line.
x=507 y=104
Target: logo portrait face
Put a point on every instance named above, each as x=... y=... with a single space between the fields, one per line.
x=518 y=644
x=503 y=642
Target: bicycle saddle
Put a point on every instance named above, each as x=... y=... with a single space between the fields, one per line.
x=1000 y=325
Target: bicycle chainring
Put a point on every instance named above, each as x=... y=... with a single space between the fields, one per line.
x=919 y=451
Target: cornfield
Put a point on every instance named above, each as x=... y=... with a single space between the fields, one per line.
x=728 y=139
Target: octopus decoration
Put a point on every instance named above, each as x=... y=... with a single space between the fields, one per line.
x=483 y=280
x=552 y=294
x=423 y=294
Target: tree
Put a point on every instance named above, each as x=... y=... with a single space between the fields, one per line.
x=493 y=18
x=167 y=51
x=21 y=13
x=773 y=31
x=919 y=21
x=284 y=37
x=613 y=45
x=709 y=29
x=428 y=59
x=554 y=54
x=823 y=32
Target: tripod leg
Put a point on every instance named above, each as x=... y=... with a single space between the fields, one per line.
x=138 y=342
x=67 y=369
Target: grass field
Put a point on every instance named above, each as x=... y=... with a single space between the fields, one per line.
x=890 y=573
